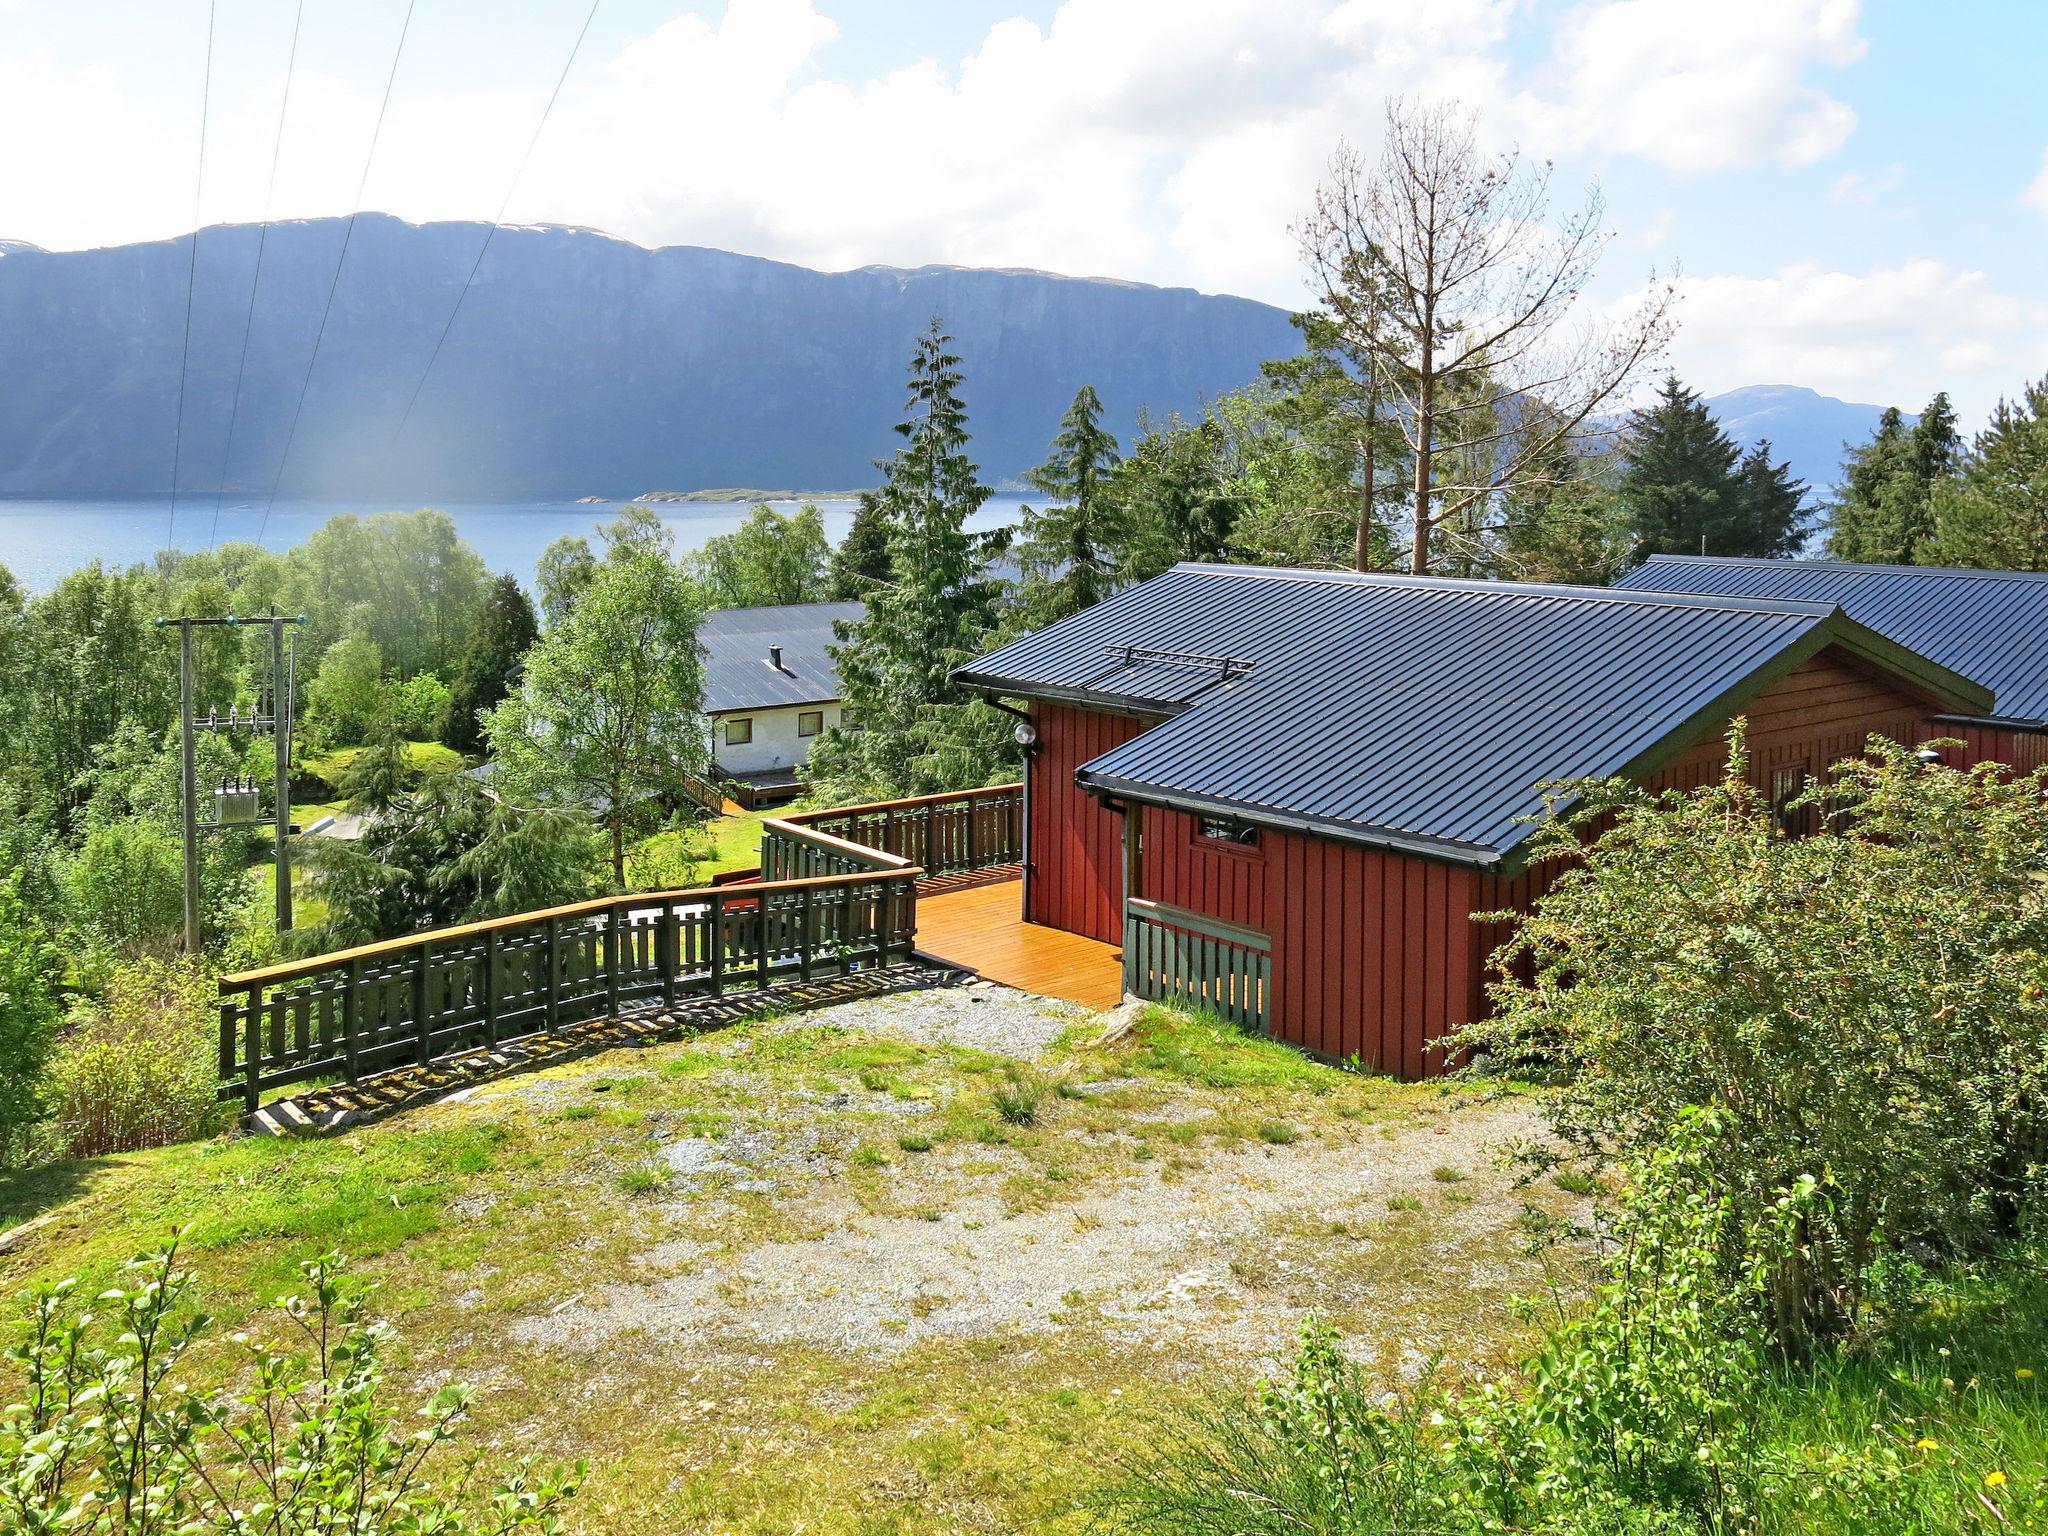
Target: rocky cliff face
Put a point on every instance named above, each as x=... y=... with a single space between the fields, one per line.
x=579 y=364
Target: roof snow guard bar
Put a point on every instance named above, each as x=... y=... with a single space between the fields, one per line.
x=1225 y=667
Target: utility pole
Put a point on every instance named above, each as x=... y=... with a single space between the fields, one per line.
x=235 y=805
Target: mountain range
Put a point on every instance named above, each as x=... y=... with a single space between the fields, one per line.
x=578 y=364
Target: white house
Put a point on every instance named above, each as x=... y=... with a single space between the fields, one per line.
x=770 y=688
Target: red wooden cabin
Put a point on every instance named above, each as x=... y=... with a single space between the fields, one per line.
x=1286 y=793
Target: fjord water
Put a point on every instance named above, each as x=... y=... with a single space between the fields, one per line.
x=42 y=540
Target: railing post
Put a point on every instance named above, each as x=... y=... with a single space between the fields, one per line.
x=252 y=1047
x=352 y=1016
x=761 y=941
x=930 y=861
x=611 y=961
x=806 y=939
x=227 y=1039
x=667 y=951
x=491 y=986
x=554 y=970
x=973 y=841
x=716 y=935
x=421 y=1024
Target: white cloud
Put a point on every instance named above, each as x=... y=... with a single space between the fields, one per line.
x=1890 y=335
x=1866 y=187
x=2037 y=194
x=1698 y=88
x=1140 y=138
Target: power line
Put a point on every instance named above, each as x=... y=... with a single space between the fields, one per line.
x=492 y=233
x=340 y=262
x=191 y=280
x=256 y=281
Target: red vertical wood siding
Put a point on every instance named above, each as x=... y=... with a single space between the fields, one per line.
x=1075 y=846
x=1375 y=954
x=2021 y=751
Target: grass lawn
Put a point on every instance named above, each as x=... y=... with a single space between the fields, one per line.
x=726 y=843
x=426 y=756
x=926 y=1263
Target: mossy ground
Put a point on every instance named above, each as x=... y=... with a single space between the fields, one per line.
x=697 y=1264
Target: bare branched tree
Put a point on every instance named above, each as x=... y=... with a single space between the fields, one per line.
x=1460 y=305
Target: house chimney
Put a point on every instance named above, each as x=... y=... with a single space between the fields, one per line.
x=775 y=657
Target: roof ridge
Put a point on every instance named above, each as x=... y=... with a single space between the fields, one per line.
x=1977 y=573
x=1488 y=587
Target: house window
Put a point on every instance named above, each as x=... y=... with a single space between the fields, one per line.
x=1221 y=829
x=810 y=721
x=1787 y=785
x=849 y=720
x=738 y=732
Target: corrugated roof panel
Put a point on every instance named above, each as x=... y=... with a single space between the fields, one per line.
x=738 y=673
x=1415 y=711
x=1987 y=625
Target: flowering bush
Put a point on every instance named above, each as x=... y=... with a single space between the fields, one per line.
x=1865 y=1010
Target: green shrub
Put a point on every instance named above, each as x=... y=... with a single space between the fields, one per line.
x=107 y=1432
x=29 y=970
x=1867 y=1007
x=125 y=885
x=139 y=1070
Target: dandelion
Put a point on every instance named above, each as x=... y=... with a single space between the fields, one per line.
x=2024 y=1374
x=1924 y=1444
x=1994 y=1479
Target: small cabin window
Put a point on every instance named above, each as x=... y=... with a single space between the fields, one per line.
x=738 y=733
x=810 y=721
x=1221 y=829
x=1787 y=785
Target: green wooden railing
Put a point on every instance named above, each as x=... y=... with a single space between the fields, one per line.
x=943 y=834
x=361 y=1011
x=1172 y=955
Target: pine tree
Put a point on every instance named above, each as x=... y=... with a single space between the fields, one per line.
x=1680 y=488
x=1995 y=515
x=861 y=562
x=1068 y=549
x=505 y=631
x=915 y=726
x=1773 y=504
x=1172 y=499
x=1884 y=511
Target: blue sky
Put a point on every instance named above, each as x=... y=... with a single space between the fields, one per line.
x=1856 y=196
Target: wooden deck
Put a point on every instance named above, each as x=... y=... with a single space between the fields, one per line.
x=982 y=929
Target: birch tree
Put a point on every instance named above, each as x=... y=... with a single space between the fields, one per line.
x=1462 y=308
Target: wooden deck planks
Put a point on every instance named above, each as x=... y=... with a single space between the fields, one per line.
x=983 y=930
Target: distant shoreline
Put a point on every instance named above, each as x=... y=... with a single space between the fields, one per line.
x=721 y=493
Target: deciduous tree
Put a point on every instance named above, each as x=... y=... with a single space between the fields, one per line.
x=1440 y=268
x=609 y=715
x=771 y=559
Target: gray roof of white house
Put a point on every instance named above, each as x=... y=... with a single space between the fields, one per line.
x=1414 y=713
x=738 y=674
x=1988 y=625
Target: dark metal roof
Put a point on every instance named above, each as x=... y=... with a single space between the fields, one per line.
x=1414 y=712
x=737 y=673
x=1987 y=625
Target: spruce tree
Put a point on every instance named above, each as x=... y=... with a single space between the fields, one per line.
x=505 y=631
x=1773 y=504
x=1068 y=549
x=1995 y=515
x=1884 y=512
x=861 y=562
x=917 y=733
x=1680 y=488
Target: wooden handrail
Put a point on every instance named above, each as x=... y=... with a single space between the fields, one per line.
x=950 y=797
x=291 y=969
x=839 y=845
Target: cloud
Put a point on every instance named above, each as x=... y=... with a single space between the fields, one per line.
x=2037 y=194
x=1697 y=88
x=1890 y=335
x=1139 y=138
x=1864 y=188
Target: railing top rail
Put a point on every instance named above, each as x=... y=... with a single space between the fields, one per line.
x=838 y=845
x=291 y=969
x=802 y=818
x=1199 y=922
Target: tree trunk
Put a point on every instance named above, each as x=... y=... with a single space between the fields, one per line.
x=1362 y=554
x=619 y=851
x=1425 y=419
